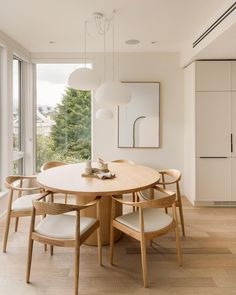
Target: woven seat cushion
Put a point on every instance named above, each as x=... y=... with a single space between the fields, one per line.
x=25 y=202
x=154 y=219
x=63 y=226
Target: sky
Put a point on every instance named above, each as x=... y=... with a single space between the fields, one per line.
x=52 y=81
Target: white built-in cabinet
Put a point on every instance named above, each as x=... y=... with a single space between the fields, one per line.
x=210 y=131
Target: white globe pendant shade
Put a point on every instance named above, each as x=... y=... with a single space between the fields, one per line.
x=112 y=93
x=83 y=79
x=104 y=114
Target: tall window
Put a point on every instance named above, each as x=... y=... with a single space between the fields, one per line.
x=17 y=117
x=63 y=118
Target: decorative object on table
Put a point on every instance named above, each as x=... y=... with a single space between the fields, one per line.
x=102 y=172
x=88 y=167
x=103 y=166
x=138 y=121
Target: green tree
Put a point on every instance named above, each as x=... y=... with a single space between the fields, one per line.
x=71 y=134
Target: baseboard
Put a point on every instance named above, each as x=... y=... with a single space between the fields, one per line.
x=215 y=204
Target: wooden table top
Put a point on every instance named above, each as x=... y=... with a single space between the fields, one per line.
x=68 y=179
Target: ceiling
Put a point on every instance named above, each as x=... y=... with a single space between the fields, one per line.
x=169 y=22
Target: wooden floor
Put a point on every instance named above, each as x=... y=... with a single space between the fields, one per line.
x=209 y=262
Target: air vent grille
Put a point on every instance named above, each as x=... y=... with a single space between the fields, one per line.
x=215 y=24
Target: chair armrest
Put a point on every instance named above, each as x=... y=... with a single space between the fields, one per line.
x=119 y=200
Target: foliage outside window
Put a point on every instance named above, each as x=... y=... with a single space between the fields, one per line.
x=64 y=123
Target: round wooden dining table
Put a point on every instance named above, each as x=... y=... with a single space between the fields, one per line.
x=128 y=178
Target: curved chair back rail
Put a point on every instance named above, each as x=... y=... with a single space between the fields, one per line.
x=51 y=164
x=58 y=208
x=12 y=179
x=123 y=161
x=174 y=173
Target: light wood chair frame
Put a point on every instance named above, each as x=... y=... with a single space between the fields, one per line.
x=53 y=164
x=141 y=235
x=49 y=208
x=176 y=175
x=15 y=183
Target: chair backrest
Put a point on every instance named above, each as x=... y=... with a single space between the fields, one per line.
x=58 y=208
x=15 y=182
x=174 y=176
x=166 y=201
x=123 y=161
x=51 y=164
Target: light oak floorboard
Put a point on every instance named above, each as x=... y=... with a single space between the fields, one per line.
x=209 y=262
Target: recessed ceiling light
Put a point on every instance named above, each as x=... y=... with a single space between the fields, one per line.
x=52 y=42
x=132 y=42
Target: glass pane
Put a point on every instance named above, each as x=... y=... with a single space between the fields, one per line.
x=63 y=117
x=17 y=164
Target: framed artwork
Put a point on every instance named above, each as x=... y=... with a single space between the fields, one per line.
x=139 y=120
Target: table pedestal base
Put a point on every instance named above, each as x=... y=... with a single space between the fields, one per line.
x=105 y=209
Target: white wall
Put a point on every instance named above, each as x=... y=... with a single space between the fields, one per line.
x=160 y=67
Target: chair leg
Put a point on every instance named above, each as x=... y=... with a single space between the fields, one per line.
x=166 y=210
x=51 y=250
x=66 y=198
x=111 y=245
x=77 y=254
x=99 y=246
x=181 y=215
x=178 y=248
x=144 y=261
x=7 y=226
x=45 y=247
x=30 y=252
x=134 y=200
x=16 y=224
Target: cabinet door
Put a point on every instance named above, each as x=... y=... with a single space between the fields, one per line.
x=233 y=179
x=233 y=123
x=233 y=75
x=213 y=179
x=213 y=124
x=213 y=76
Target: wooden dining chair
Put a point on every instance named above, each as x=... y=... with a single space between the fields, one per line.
x=22 y=206
x=52 y=164
x=172 y=177
x=146 y=224
x=134 y=195
x=63 y=230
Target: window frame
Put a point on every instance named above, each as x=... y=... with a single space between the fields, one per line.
x=20 y=154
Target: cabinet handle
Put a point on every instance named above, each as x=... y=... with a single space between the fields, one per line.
x=213 y=157
x=232 y=145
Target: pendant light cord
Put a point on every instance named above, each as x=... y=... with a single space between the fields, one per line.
x=104 y=50
x=85 y=33
x=113 y=46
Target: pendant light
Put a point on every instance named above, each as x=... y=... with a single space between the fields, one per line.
x=113 y=93
x=84 y=78
x=104 y=114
